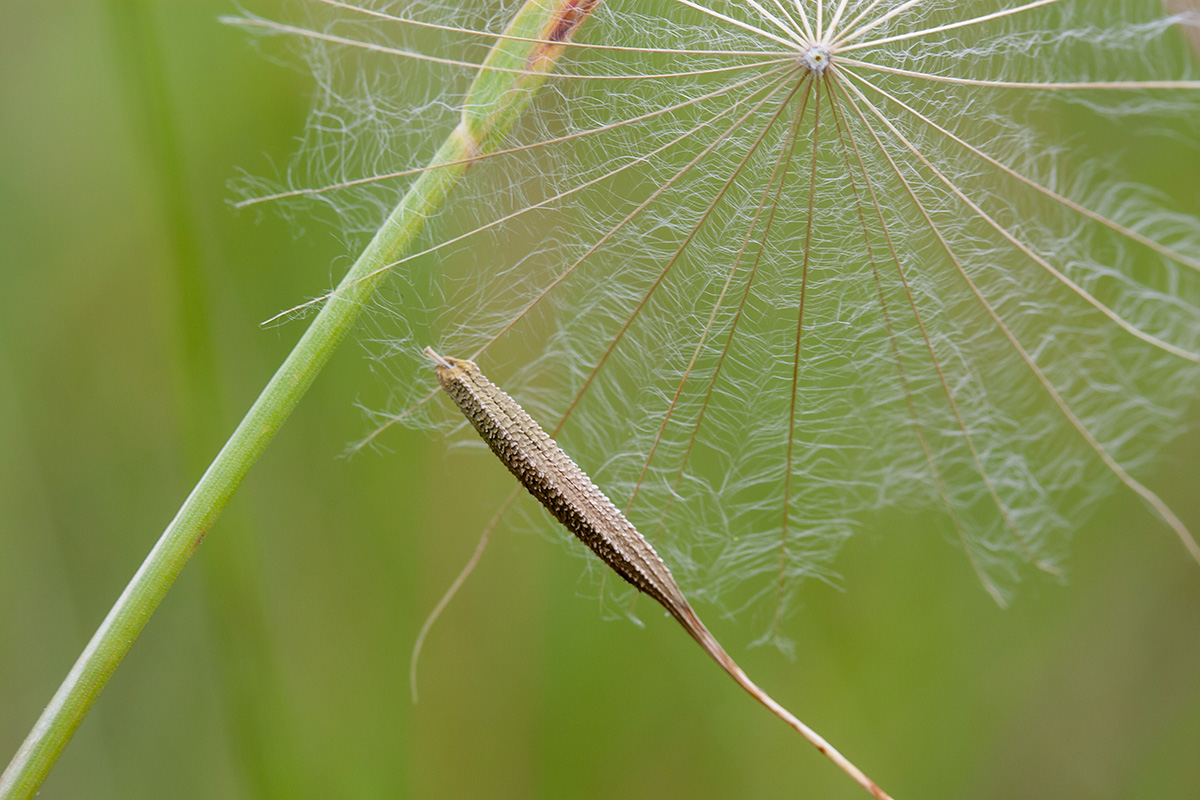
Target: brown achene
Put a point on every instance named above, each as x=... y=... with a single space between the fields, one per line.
x=570 y=495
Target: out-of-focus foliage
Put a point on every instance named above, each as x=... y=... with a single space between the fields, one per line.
x=129 y=346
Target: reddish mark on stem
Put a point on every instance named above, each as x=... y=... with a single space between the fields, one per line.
x=559 y=30
x=572 y=15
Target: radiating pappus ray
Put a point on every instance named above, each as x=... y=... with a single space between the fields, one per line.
x=775 y=267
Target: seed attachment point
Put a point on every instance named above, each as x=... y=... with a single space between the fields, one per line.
x=816 y=59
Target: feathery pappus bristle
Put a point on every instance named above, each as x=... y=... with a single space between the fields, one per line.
x=775 y=268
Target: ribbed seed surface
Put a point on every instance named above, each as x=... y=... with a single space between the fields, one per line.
x=569 y=494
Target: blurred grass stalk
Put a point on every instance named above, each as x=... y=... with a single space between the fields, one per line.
x=515 y=68
x=253 y=699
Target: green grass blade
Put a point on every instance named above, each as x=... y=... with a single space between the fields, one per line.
x=495 y=100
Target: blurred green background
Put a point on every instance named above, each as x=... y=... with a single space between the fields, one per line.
x=277 y=667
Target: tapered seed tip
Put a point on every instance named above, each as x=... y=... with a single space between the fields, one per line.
x=437 y=359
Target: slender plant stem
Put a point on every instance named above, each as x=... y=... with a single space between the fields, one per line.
x=513 y=71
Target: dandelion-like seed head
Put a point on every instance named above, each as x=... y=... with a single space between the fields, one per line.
x=776 y=272
x=762 y=300
x=816 y=59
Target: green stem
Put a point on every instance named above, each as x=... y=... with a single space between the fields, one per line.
x=514 y=69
